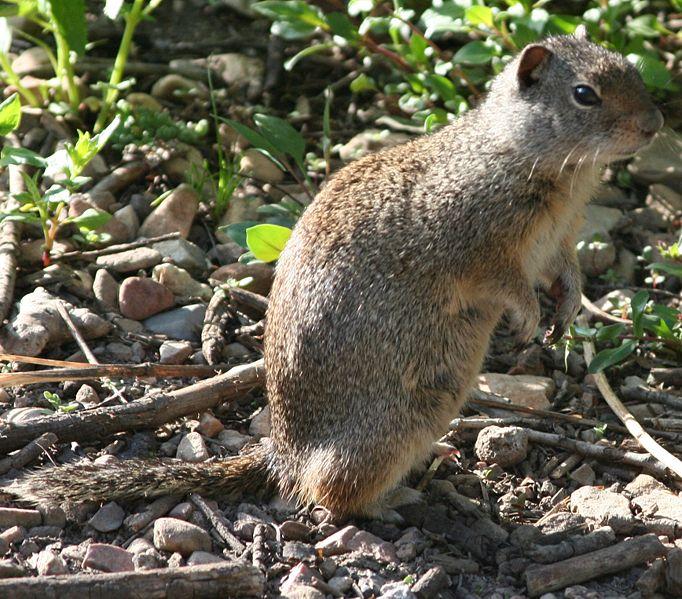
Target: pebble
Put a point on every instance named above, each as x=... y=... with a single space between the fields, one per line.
x=254 y=164
x=199 y=558
x=175 y=352
x=431 y=583
x=150 y=559
x=340 y=584
x=260 y=423
x=86 y=394
x=673 y=572
x=301 y=574
x=505 y=446
x=119 y=352
x=142 y=100
x=292 y=530
x=184 y=254
x=338 y=542
x=175 y=214
x=232 y=440
x=10 y=516
x=48 y=563
x=140 y=298
x=660 y=161
x=108 y=518
x=130 y=221
x=130 y=260
x=604 y=507
x=396 y=590
x=665 y=201
x=301 y=591
x=583 y=475
x=192 y=448
x=13 y=535
x=182 y=323
x=261 y=275
x=596 y=257
x=182 y=511
x=168 y=86
x=180 y=282
x=369 y=544
x=236 y=350
x=209 y=425
x=108 y=558
x=225 y=253
x=8 y=569
x=139 y=545
x=456 y=565
x=182 y=537
x=237 y=69
x=523 y=389
x=105 y=289
x=656 y=502
x=30 y=59
x=295 y=551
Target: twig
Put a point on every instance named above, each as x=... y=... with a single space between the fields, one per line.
x=667 y=376
x=233 y=579
x=597 y=312
x=114 y=249
x=76 y=334
x=635 y=429
x=624 y=555
x=148 y=412
x=642 y=393
x=29 y=453
x=218 y=522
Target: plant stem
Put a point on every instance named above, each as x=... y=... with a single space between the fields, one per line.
x=13 y=79
x=65 y=67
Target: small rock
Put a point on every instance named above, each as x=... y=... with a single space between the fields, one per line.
x=523 y=389
x=666 y=202
x=182 y=537
x=142 y=100
x=643 y=483
x=139 y=545
x=105 y=289
x=209 y=425
x=180 y=282
x=596 y=256
x=129 y=219
x=604 y=507
x=369 y=544
x=8 y=569
x=49 y=563
x=140 y=298
x=260 y=423
x=433 y=581
x=175 y=561
x=225 y=253
x=181 y=323
x=30 y=60
x=583 y=475
x=10 y=516
x=184 y=254
x=236 y=350
x=370 y=141
x=396 y=590
x=130 y=260
x=660 y=161
x=295 y=552
x=238 y=69
x=659 y=503
x=108 y=558
x=261 y=275
x=261 y=168
x=182 y=511
x=149 y=559
x=651 y=579
x=506 y=446
x=87 y=395
x=12 y=535
x=340 y=584
x=673 y=572
x=337 y=543
x=454 y=565
x=172 y=86
x=232 y=440
x=301 y=591
x=300 y=575
x=293 y=530
x=199 y=558
x=175 y=352
x=108 y=518
x=192 y=448
x=175 y=214
x=106 y=460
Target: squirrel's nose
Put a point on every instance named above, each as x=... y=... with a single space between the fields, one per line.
x=650 y=121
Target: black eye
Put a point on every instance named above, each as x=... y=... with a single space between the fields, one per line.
x=585 y=95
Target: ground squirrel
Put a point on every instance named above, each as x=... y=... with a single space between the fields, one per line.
x=388 y=291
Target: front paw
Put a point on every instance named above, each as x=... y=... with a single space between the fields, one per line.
x=526 y=321
x=568 y=295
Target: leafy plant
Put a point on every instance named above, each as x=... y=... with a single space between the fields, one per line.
x=266 y=241
x=63 y=169
x=58 y=404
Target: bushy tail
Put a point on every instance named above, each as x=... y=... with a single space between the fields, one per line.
x=136 y=479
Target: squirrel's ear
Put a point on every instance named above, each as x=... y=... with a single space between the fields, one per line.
x=581 y=32
x=532 y=57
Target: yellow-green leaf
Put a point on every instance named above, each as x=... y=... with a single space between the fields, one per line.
x=267 y=241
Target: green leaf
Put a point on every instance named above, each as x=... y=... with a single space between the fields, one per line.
x=10 y=114
x=362 y=83
x=672 y=268
x=474 y=53
x=480 y=15
x=5 y=36
x=653 y=71
x=292 y=10
x=609 y=357
x=253 y=137
x=91 y=219
x=282 y=136
x=237 y=232
x=307 y=51
x=441 y=19
x=112 y=8
x=342 y=26
x=69 y=16
x=443 y=86
x=21 y=156
x=637 y=307
x=267 y=241
x=610 y=332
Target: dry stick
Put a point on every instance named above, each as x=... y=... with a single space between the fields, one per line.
x=10 y=237
x=599 y=452
x=114 y=249
x=635 y=428
x=242 y=297
x=667 y=376
x=41 y=361
x=86 y=372
x=148 y=412
x=233 y=579
x=488 y=400
x=639 y=550
x=600 y=314
x=642 y=393
x=219 y=523
x=29 y=453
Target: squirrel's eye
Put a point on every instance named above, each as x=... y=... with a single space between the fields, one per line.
x=585 y=95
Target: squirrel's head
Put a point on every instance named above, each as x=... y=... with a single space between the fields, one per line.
x=575 y=100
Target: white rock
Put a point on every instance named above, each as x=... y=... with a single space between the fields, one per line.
x=192 y=448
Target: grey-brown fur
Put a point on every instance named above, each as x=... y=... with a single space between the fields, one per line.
x=387 y=293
